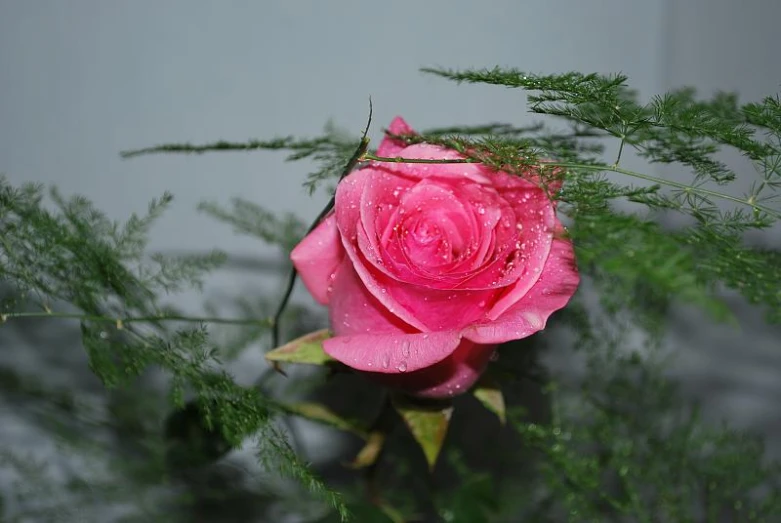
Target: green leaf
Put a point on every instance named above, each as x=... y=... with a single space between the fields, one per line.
x=427 y=421
x=487 y=391
x=306 y=349
x=322 y=414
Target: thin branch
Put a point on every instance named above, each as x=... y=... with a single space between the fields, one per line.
x=119 y=321
x=600 y=167
x=291 y=282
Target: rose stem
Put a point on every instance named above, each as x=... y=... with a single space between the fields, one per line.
x=354 y=159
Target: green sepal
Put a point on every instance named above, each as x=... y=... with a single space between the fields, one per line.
x=322 y=414
x=307 y=349
x=487 y=391
x=370 y=451
x=427 y=421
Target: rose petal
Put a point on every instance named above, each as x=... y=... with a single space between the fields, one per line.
x=415 y=205
x=354 y=310
x=475 y=172
x=379 y=202
x=348 y=220
x=552 y=291
x=442 y=309
x=392 y=353
x=391 y=147
x=537 y=222
x=450 y=377
x=317 y=257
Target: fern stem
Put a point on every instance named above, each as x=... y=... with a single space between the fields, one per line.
x=265 y=322
x=599 y=167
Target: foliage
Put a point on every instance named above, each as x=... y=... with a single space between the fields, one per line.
x=617 y=445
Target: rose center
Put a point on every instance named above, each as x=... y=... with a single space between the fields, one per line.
x=426 y=232
x=430 y=240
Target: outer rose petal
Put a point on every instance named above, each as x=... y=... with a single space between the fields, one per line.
x=369 y=338
x=557 y=283
x=450 y=377
x=392 y=353
x=348 y=220
x=317 y=257
x=473 y=171
x=389 y=146
x=353 y=309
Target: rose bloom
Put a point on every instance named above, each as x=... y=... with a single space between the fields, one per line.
x=426 y=268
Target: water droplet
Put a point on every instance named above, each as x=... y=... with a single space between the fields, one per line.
x=481 y=210
x=481 y=304
x=405 y=349
x=386 y=361
x=402 y=367
x=425 y=336
x=519 y=226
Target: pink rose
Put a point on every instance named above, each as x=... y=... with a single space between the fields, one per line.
x=426 y=268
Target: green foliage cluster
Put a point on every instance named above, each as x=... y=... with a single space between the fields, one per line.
x=618 y=445
x=98 y=273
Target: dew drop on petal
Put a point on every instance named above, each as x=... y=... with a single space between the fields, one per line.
x=402 y=367
x=386 y=361
x=405 y=349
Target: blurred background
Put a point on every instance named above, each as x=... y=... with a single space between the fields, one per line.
x=84 y=79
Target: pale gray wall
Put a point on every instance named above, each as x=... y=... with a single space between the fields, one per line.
x=81 y=80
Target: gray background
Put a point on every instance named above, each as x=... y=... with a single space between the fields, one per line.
x=81 y=80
